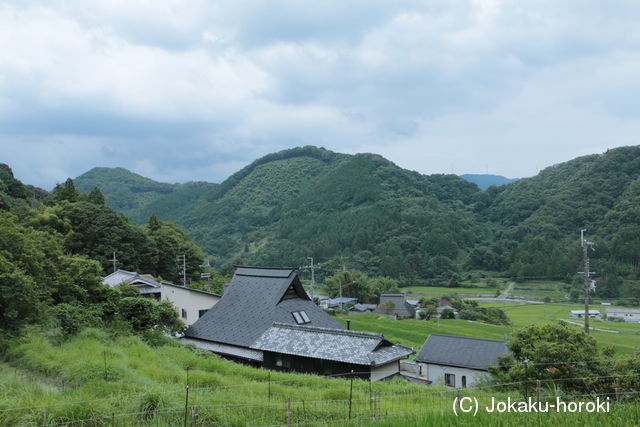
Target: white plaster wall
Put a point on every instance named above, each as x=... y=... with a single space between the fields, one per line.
x=189 y=300
x=435 y=373
x=383 y=371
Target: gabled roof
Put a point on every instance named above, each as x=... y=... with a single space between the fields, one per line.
x=464 y=352
x=401 y=306
x=363 y=307
x=359 y=348
x=148 y=282
x=132 y=278
x=254 y=300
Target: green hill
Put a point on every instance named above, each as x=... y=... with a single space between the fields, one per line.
x=137 y=196
x=364 y=212
x=361 y=210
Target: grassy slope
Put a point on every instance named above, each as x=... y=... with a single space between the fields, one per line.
x=125 y=382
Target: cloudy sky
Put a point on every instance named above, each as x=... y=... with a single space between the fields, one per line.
x=194 y=90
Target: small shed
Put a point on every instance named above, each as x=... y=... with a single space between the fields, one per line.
x=457 y=361
x=623 y=314
x=395 y=305
x=579 y=314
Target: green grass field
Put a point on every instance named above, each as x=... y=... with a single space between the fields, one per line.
x=417 y=292
x=540 y=290
x=413 y=332
x=94 y=379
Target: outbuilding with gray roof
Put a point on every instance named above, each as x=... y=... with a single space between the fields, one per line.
x=457 y=361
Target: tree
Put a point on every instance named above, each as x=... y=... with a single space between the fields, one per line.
x=354 y=284
x=19 y=303
x=153 y=225
x=147 y=315
x=553 y=351
x=66 y=192
x=96 y=197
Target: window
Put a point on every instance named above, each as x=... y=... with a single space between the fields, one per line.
x=301 y=317
x=450 y=380
x=464 y=381
x=184 y=313
x=201 y=313
x=283 y=361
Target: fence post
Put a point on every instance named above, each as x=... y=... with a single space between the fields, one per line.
x=186 y=405
x=538 y=391
x=289 y=411
x=350 y=393
x=196 y=416
x=269 y=392
x=617 y=389
x=458 y=397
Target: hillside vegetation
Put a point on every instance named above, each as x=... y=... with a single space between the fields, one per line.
x=97 y=379
x=363 y=212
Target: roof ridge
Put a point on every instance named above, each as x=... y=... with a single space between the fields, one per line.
x=329 y=330
x=266 y=268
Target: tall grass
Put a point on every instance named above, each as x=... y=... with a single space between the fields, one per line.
x=123 y=381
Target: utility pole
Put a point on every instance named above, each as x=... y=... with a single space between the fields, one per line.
x=205 y=275
x=313 y=279
x=588 y=283
x=182 y=268
x=114 y=260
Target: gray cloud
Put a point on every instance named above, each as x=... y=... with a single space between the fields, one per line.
x=193 y=90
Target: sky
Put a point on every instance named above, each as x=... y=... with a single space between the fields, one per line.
x=195 y=90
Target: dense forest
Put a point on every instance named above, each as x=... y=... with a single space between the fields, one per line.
x=365 y=213
x=55 y=247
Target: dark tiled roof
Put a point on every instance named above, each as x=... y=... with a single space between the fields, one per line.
x=401 y=307
x=474 y=353
x=360 y=348
x=264 y=272
x=254 y=300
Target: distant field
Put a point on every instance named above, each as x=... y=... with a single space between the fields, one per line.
x=416 y=292
x=627 y=340
x=414 y=332
x=540 y=289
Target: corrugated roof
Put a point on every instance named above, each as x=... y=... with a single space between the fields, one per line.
x=252 y=303
x=360 y=348
x=474 y=353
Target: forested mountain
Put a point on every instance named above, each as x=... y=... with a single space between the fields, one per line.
x=136 y=196
x=364 y=212
x=360 y=211
x=485 y=181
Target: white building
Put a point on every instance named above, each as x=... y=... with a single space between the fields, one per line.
x=579 y=314
x=457 y=361
x=624 y=314
x=190 y=304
